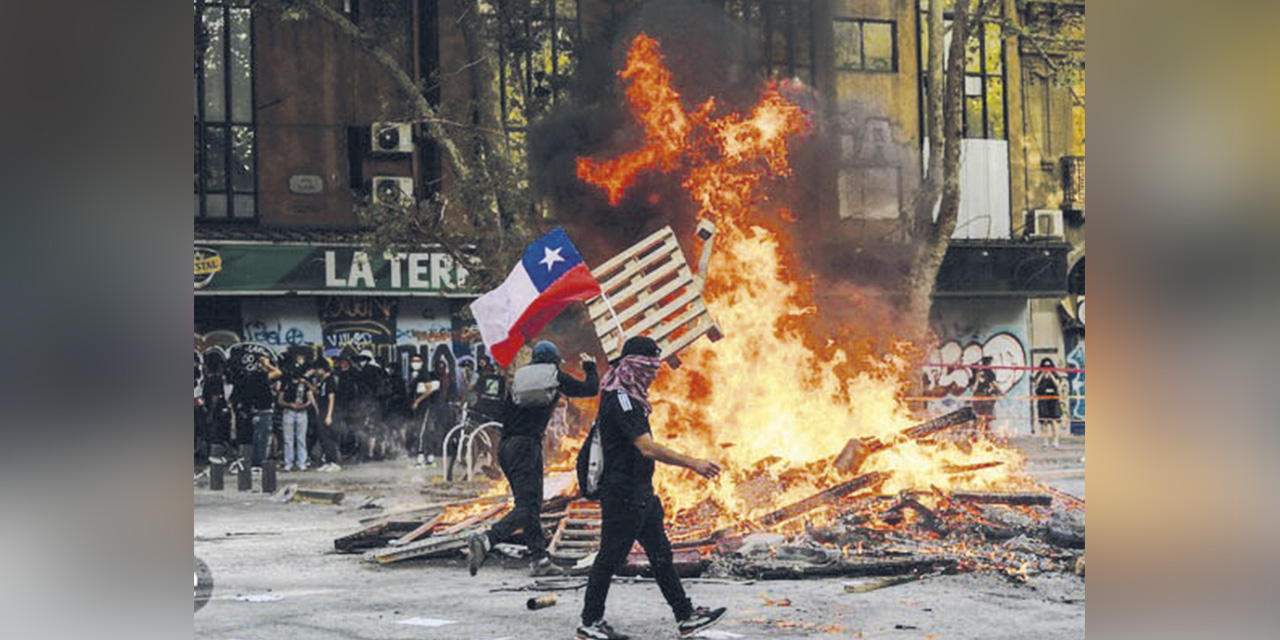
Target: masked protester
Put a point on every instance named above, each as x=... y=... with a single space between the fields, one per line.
x=419 y=387
x=520 y=456
x=630 y=512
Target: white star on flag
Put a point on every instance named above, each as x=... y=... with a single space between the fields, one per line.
x=551 y=257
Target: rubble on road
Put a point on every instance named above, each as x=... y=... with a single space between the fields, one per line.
x=851 y=528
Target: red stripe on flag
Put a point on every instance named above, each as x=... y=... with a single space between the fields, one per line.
x=575 y=285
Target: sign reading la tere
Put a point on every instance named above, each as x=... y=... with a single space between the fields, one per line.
x=329 y=269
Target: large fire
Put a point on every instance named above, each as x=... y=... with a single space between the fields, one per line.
x=763 y=401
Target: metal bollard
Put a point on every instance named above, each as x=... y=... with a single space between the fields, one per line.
x=541 y=602
x=268 y=478
x=217 y=467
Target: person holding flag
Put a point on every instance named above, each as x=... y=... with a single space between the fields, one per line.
x=549 y=277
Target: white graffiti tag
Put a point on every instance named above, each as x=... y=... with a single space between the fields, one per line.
x=954 y=376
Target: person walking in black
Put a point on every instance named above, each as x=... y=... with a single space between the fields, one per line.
x=630 y=511
x=520 y=456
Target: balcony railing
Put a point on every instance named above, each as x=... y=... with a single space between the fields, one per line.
x=1073 y=183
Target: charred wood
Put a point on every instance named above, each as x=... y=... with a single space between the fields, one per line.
x=1001 y=497
x=825 y=497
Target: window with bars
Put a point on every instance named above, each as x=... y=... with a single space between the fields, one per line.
x=984 y=111
x=783 y=35
x=225 y=144
x=866 y=45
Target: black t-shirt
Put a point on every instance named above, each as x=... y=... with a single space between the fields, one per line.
x=532 y=421
x=1047 y=387
x=254 y=391
x=621 y=420
x=295 y=391
x=326 y=392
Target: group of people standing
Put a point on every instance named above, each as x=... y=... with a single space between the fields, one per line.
x=309 y=412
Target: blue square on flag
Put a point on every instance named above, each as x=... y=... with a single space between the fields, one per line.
x=549 y=258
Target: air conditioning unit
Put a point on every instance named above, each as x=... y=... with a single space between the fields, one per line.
x=392 y=190
x=1045 y=223
x=391 y=137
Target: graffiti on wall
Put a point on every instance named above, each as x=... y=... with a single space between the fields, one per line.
x=954 y=375
x=357 y=322
x=1075 y=380
x=277 y=335
x=993 y=340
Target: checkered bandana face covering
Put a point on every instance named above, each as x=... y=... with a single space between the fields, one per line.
x=633 y=375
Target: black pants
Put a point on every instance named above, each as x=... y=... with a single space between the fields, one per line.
x=521 y=460
x=329 y=439
x=625 y=520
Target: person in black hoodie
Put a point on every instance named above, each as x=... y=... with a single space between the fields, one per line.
x=520 y=456
x=629 y=509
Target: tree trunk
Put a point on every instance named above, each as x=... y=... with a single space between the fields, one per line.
x=933 y=243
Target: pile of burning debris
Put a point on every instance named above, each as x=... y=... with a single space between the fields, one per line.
x=849 y=529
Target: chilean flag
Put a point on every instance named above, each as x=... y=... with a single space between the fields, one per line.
x=544 y=282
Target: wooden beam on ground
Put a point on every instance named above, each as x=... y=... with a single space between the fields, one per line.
x=376 y=536
x=1003 y=497
x=322 y=496
x=422 y=548
x=775 y=570
x=418 y=532
x=873 y=584
x=824 y=497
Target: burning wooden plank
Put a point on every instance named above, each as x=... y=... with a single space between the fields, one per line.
x=653 y=293
x=474 y=520
x=955 y=469
x=858 y=450
x=1003 y=497
x=429 y=510
x=824 y=497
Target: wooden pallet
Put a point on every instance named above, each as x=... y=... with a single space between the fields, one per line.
x=578 y=533
x=654 y=293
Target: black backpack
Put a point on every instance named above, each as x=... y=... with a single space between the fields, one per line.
x=591 y=463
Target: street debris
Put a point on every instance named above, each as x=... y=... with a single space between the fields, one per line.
x=541 y=602
x=428 y=622
x=850 y=529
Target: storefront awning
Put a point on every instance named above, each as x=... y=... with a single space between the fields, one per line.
x=270 y=268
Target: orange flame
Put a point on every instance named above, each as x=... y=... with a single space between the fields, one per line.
x=763 y=401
